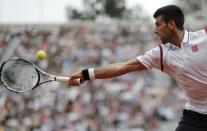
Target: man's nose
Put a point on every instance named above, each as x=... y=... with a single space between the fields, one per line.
x=155 y=31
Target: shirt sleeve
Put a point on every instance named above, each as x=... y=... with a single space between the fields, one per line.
x=151 y=58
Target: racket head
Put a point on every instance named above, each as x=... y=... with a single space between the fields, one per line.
x=19 y=75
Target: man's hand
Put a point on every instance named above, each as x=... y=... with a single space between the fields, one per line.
x=76 y=79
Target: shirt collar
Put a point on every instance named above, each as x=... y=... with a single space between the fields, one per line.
x=186 y=37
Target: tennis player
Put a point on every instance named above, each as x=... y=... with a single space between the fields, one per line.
x=182 y=55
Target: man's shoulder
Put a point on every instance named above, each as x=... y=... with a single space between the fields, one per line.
x=197 y=36
x=199 y=32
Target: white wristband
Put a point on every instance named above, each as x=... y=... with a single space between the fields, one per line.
x=91 y=73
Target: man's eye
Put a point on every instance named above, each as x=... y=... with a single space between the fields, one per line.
x=157 y=24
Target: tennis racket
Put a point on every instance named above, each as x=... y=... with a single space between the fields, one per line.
x=21 y=75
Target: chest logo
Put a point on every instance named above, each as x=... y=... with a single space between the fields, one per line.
x=194 y=48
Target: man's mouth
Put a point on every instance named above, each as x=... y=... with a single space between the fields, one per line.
x=159 y=36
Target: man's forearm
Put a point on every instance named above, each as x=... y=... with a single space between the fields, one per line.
x=118 y=69
x=109 y=71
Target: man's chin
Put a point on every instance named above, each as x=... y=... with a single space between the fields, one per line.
x=164 y=42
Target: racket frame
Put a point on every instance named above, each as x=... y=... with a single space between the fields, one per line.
x=39 y=72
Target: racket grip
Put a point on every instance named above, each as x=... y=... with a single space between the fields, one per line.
x=64 y=79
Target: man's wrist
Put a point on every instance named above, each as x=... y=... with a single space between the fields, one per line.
x=88 y=74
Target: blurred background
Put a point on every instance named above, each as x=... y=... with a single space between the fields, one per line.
x=89 y=33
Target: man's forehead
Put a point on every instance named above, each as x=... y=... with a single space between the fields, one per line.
x=158 y=19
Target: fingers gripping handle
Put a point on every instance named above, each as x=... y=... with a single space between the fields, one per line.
x=64 y=79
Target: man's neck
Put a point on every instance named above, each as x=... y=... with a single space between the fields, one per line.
x=178 y=37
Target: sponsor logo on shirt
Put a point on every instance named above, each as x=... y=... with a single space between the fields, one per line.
x=194 y=48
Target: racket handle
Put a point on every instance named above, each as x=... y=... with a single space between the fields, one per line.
x=64 y=79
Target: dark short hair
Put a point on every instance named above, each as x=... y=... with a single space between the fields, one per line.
x=171 y=12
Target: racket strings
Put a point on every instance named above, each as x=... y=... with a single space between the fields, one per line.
x=19 y=75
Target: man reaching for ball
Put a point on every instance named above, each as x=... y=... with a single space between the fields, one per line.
x=182 y=55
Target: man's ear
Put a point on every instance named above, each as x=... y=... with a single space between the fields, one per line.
x=171 y=24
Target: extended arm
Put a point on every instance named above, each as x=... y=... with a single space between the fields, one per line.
x=110 y=71
x=118 y=69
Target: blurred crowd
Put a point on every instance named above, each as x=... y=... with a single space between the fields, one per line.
x=133 y=102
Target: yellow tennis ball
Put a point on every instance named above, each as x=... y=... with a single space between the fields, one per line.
x=41 y=54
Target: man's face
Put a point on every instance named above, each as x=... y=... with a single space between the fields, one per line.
x=162 y=30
